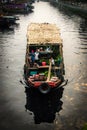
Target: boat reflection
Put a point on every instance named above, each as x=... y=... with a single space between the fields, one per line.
x=44 y=107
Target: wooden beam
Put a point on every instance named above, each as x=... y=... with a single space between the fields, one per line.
x=49 y=71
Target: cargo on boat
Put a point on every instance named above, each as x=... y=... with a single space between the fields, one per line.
x=44 y=67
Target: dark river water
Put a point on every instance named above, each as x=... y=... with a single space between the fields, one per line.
x=64 y=110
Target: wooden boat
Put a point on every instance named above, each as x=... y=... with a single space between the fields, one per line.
x=7 y=21
x=24 y=7
x=4 y=22
x=44 y=67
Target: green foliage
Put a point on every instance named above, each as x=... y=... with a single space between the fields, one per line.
x=84 y=127
x=46 y=73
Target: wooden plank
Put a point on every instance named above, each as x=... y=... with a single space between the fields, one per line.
x=42 y=67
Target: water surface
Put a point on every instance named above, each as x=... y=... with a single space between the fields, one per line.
x=70 y=108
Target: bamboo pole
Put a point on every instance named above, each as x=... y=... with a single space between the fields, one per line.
x=49 y=71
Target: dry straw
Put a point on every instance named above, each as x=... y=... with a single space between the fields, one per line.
x=42 y=33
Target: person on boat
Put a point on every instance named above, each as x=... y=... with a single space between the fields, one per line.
x=53 y=65
x=59 y=60
x=48 y=49
x=29 y=60
x=41 y=49
x=52 y=61
x=32 y=57
x=36 y=56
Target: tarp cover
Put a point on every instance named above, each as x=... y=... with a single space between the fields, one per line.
x=42 y=33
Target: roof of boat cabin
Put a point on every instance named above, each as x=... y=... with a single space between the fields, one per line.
x=43 y=33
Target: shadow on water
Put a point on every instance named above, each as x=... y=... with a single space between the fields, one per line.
x=83 y=24
x=83 y=37
x=44 y=107
x=83 y=29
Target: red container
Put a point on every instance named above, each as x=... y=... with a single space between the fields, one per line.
x=43 y=63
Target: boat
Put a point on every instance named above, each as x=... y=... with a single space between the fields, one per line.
x=44 y=64
x=6 y=21
x=9 y=19
x=24 y=7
